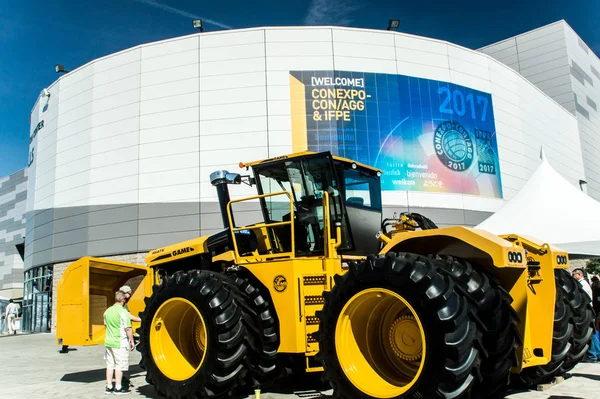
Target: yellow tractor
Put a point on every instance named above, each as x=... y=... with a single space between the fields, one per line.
x=306 y=275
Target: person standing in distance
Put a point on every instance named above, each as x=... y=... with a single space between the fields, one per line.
x=578 y=274
x=593 y=355
x=117 y=344
x=12 y=311
x=596 y=292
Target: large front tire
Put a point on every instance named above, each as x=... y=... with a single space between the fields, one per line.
x=394 y=327
x=192 y=337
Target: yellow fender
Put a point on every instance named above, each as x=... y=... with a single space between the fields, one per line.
x=477 y=246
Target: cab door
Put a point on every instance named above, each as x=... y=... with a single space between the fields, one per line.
x=87 y=288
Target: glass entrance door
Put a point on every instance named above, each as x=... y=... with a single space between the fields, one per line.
x=37 y=300
x=38 y=313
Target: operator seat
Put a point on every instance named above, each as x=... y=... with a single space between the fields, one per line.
x=300 y=235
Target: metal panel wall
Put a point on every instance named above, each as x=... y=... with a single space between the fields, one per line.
x=13 y=198
x=584 y=67
x=558 y=61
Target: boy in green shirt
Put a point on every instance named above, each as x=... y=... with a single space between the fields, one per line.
x=117 y=344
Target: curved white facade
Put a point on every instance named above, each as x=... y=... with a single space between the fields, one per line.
x=123 y=147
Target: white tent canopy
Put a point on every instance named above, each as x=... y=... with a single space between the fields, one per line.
x=551 y=210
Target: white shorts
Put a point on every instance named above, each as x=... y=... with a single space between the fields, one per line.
x=117 y=358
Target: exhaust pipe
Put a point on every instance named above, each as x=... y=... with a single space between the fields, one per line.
x=220 y=179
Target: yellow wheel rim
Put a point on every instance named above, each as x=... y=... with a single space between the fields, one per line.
x=178 y=339
x=380 y=343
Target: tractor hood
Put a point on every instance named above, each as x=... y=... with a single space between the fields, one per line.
x=177 y=251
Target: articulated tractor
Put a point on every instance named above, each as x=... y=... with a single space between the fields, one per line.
x=307 y=275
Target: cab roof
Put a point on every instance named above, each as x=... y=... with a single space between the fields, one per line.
x=304 y=153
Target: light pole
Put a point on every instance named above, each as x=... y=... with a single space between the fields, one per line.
x=60 y=68
x=393 y=24
x=197 y=23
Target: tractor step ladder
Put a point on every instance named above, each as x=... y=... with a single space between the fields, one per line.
x=312 y=287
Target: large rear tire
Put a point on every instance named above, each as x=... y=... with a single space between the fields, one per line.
x=395 y=327
x=192 y=337
x=497 y=320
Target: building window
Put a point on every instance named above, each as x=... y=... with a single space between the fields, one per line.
x=37 y=299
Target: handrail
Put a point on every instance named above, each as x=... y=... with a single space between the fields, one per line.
x=266 y=225
x=326 y=222
x=331 y=244
x=289 y=194
x=262 y=225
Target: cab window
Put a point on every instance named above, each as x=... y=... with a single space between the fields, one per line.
x=362 y=189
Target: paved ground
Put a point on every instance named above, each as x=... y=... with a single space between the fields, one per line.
x=31 y=367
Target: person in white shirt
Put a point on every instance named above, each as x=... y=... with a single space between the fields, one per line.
x=578 y=274
x=12 y=311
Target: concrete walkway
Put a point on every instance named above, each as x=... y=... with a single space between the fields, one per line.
x=31 y=367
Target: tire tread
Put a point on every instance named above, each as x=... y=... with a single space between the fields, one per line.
x=450 y=370
x=221 y=371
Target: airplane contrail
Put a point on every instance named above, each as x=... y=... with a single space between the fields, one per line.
x=183 y=13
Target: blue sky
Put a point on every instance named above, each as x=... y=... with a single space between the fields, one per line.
x=37 y=34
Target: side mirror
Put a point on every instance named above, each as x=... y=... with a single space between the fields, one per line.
x=233 y=178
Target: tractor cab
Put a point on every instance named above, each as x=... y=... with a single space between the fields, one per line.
x=353 y=194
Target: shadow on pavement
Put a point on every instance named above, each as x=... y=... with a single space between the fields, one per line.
x=311 y=386
x=149 y=392
x=302 y=385
x=87 y=376
x=67 y=350
x=96 y=375
x=305 y=385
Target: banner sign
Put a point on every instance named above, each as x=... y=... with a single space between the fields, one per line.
x=426 y=135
